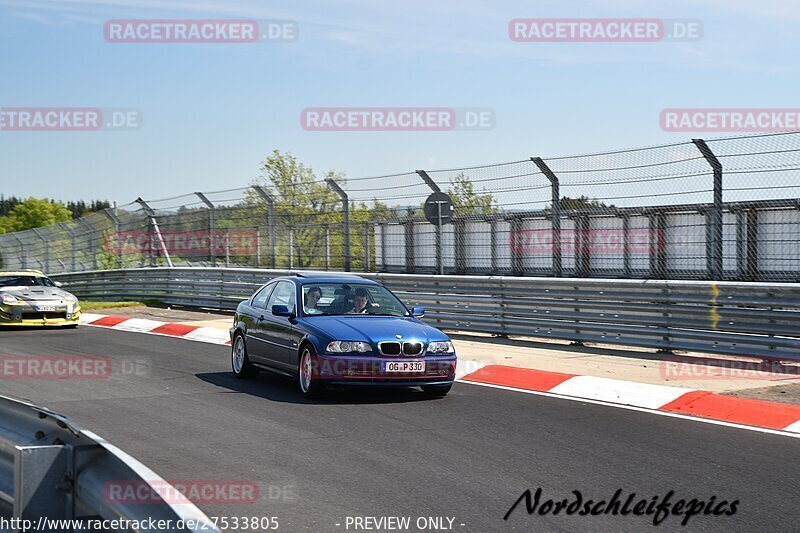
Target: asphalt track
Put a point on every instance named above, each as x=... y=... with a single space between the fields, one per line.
x=174 y=405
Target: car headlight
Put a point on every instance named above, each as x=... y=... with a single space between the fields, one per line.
x=9 y=299
x=69 y=298
x=441 y=347
x=347 y=346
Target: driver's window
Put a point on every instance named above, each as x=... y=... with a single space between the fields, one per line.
x=283 y=295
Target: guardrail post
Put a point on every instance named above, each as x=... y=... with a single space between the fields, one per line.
x=117 y=237
x=155 y=232
x=212 y=227
x=270 y=220
x=39 y=471
x=432 y=185
x=715 y=219
x=345 y=220
x=73 y=244
x=555 y=196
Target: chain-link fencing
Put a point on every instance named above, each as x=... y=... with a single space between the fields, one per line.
x=726 y=208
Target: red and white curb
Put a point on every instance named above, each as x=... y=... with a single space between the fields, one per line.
x=675 y=400
x=170 y=329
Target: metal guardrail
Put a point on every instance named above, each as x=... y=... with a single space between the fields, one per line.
x=750 y=319
x=51 y=468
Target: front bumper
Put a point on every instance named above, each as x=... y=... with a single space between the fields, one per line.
x=26 y=315
x=369 y=370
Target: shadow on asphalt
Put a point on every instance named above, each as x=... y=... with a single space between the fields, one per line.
x=282 y=389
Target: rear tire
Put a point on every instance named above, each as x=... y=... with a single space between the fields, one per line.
x=307 y=384
x=240 y=363
x=437 y=391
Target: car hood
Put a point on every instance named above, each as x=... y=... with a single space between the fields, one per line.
x=35 y=294
x=374 y=329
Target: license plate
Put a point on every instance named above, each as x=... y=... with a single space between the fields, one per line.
x=46 y=308
x=404 y=366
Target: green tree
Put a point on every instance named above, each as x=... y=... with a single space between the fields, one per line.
x=304 y=206
x=34 y=213
x=467 y=201
x=582 y=202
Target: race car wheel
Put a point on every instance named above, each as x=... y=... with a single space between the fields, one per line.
x=310 y=386
x=240 y=364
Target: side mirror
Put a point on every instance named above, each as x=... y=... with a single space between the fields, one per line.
x=418 y=312
x=281 y=310
x=58 y=284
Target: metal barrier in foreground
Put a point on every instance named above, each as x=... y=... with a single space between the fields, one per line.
x=733 y=318
x=51 y=469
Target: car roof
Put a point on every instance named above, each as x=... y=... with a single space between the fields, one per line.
x=21 y=273
x=315 y=279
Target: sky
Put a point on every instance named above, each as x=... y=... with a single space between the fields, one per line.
x=211 y=112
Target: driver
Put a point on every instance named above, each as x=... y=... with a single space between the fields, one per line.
x=360 y=301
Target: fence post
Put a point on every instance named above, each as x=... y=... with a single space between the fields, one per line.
x=270 y=220
x=752 y=244
x=46 y=243
x=409 y=232
x=626 y=246
x=345 y=220
x=383 y=248
x=555 y=195
x=117 y=237
x=92 y=241
x=715 y=218
x=157 y=233
x=23 y=260
x=493 y=244
x=212 y=228
x=435 y=188
x=73 y=244
x=366 y=248
x=517 y=241
x=327 y=247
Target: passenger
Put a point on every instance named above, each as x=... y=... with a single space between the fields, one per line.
x=360 y=302
x=311 y=299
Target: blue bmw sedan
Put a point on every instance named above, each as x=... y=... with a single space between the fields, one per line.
x=343 y=330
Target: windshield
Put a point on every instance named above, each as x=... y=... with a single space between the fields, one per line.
x=25 y=281
x=350 y=299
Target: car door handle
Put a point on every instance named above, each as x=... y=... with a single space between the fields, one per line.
x=261 y=317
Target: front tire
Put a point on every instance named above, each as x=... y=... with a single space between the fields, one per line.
x=309 y=386
x=437 y=391
x=240 y=363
